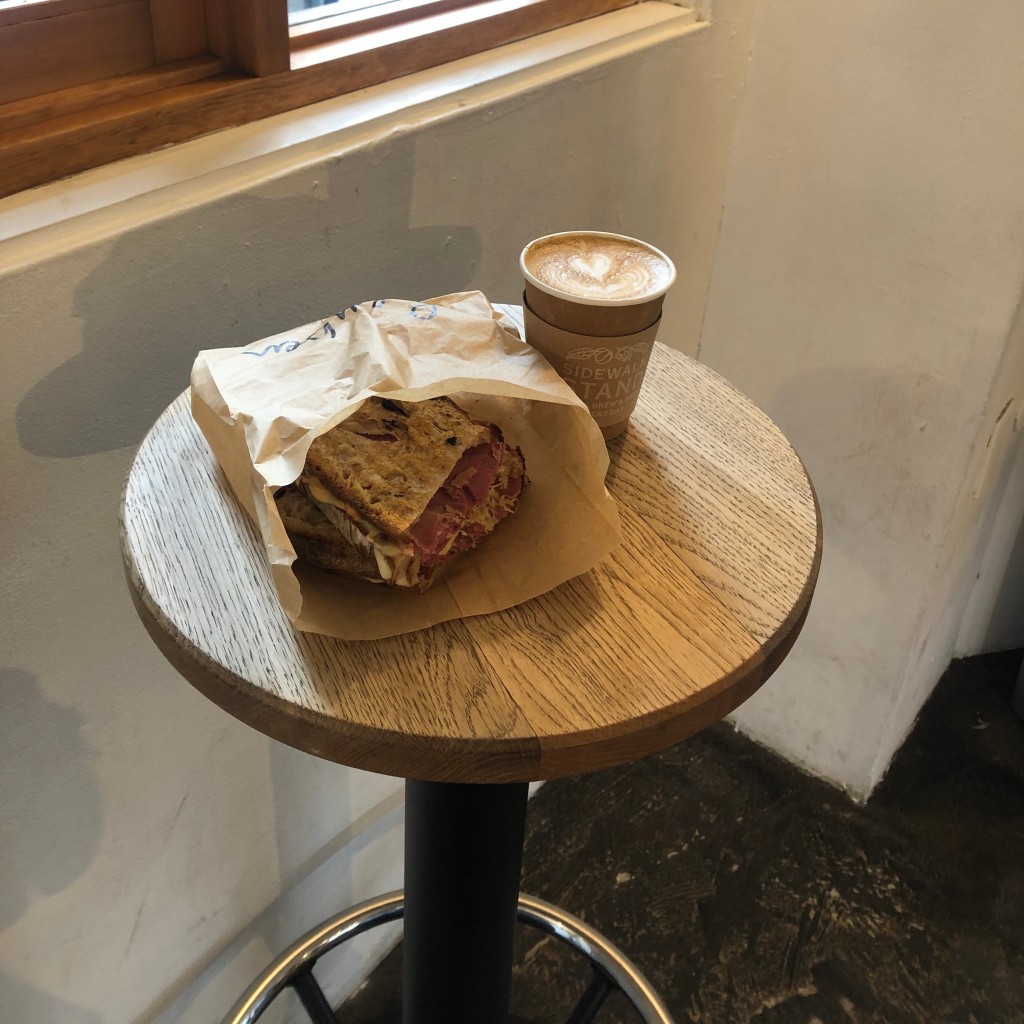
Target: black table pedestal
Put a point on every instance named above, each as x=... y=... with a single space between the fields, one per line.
x=463 y=856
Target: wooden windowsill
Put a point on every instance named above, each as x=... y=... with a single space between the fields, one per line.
x=47 y=138
x=74 y=212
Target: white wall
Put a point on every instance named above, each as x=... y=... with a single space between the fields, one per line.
x=867 y=274
x=154 y=852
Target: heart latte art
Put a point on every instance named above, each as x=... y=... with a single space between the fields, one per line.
x=596 y=267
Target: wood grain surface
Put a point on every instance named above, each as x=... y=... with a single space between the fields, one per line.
x=678 y=626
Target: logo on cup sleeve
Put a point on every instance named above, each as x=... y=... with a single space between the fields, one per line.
x=607 y=379
x=603 y=355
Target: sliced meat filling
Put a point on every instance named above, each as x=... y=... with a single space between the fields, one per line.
x=500 y=502
x=467 y=487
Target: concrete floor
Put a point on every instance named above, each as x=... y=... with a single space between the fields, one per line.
x=749 y=893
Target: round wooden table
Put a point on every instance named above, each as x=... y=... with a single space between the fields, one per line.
x=672 y=631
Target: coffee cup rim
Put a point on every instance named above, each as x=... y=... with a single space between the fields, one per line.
x=586 y=300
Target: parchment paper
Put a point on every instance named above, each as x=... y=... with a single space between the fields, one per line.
x=261 y=406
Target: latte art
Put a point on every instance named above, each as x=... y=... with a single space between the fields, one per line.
x=598 y=267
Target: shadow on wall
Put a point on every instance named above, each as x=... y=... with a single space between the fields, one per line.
x=313 y=888
x=52 y=814
x=241 y=269
x=307 y=790
x=50 y=827
x=25 y=1005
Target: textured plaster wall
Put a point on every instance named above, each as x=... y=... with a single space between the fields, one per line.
x=994 y=617
x=864 y=286
x=154 y=852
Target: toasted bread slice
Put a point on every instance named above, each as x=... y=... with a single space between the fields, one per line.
x=338 y=557
x=424 y=441
x=317 y=541
x=302 y=517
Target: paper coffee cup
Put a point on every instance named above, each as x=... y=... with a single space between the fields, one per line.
x=606 y=372
x=596 y=283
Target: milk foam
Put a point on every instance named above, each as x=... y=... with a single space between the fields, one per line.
x=598 y=267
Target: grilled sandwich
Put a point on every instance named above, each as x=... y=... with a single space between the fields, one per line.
x=396 y=491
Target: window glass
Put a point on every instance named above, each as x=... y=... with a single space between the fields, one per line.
x=8 y=4
x=301 y=12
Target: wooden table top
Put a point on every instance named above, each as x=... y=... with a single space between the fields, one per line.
x=678 y=626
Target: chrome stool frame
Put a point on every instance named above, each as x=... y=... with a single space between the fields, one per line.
x=294 y=967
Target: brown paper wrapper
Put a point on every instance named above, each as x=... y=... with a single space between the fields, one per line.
x=606 y=373
x=261 y=406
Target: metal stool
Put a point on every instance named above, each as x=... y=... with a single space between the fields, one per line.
x=294 y=967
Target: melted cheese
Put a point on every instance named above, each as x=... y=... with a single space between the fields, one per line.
x=383 y=566
x=392 y=562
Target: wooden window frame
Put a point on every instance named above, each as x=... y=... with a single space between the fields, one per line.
x=212 y=64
